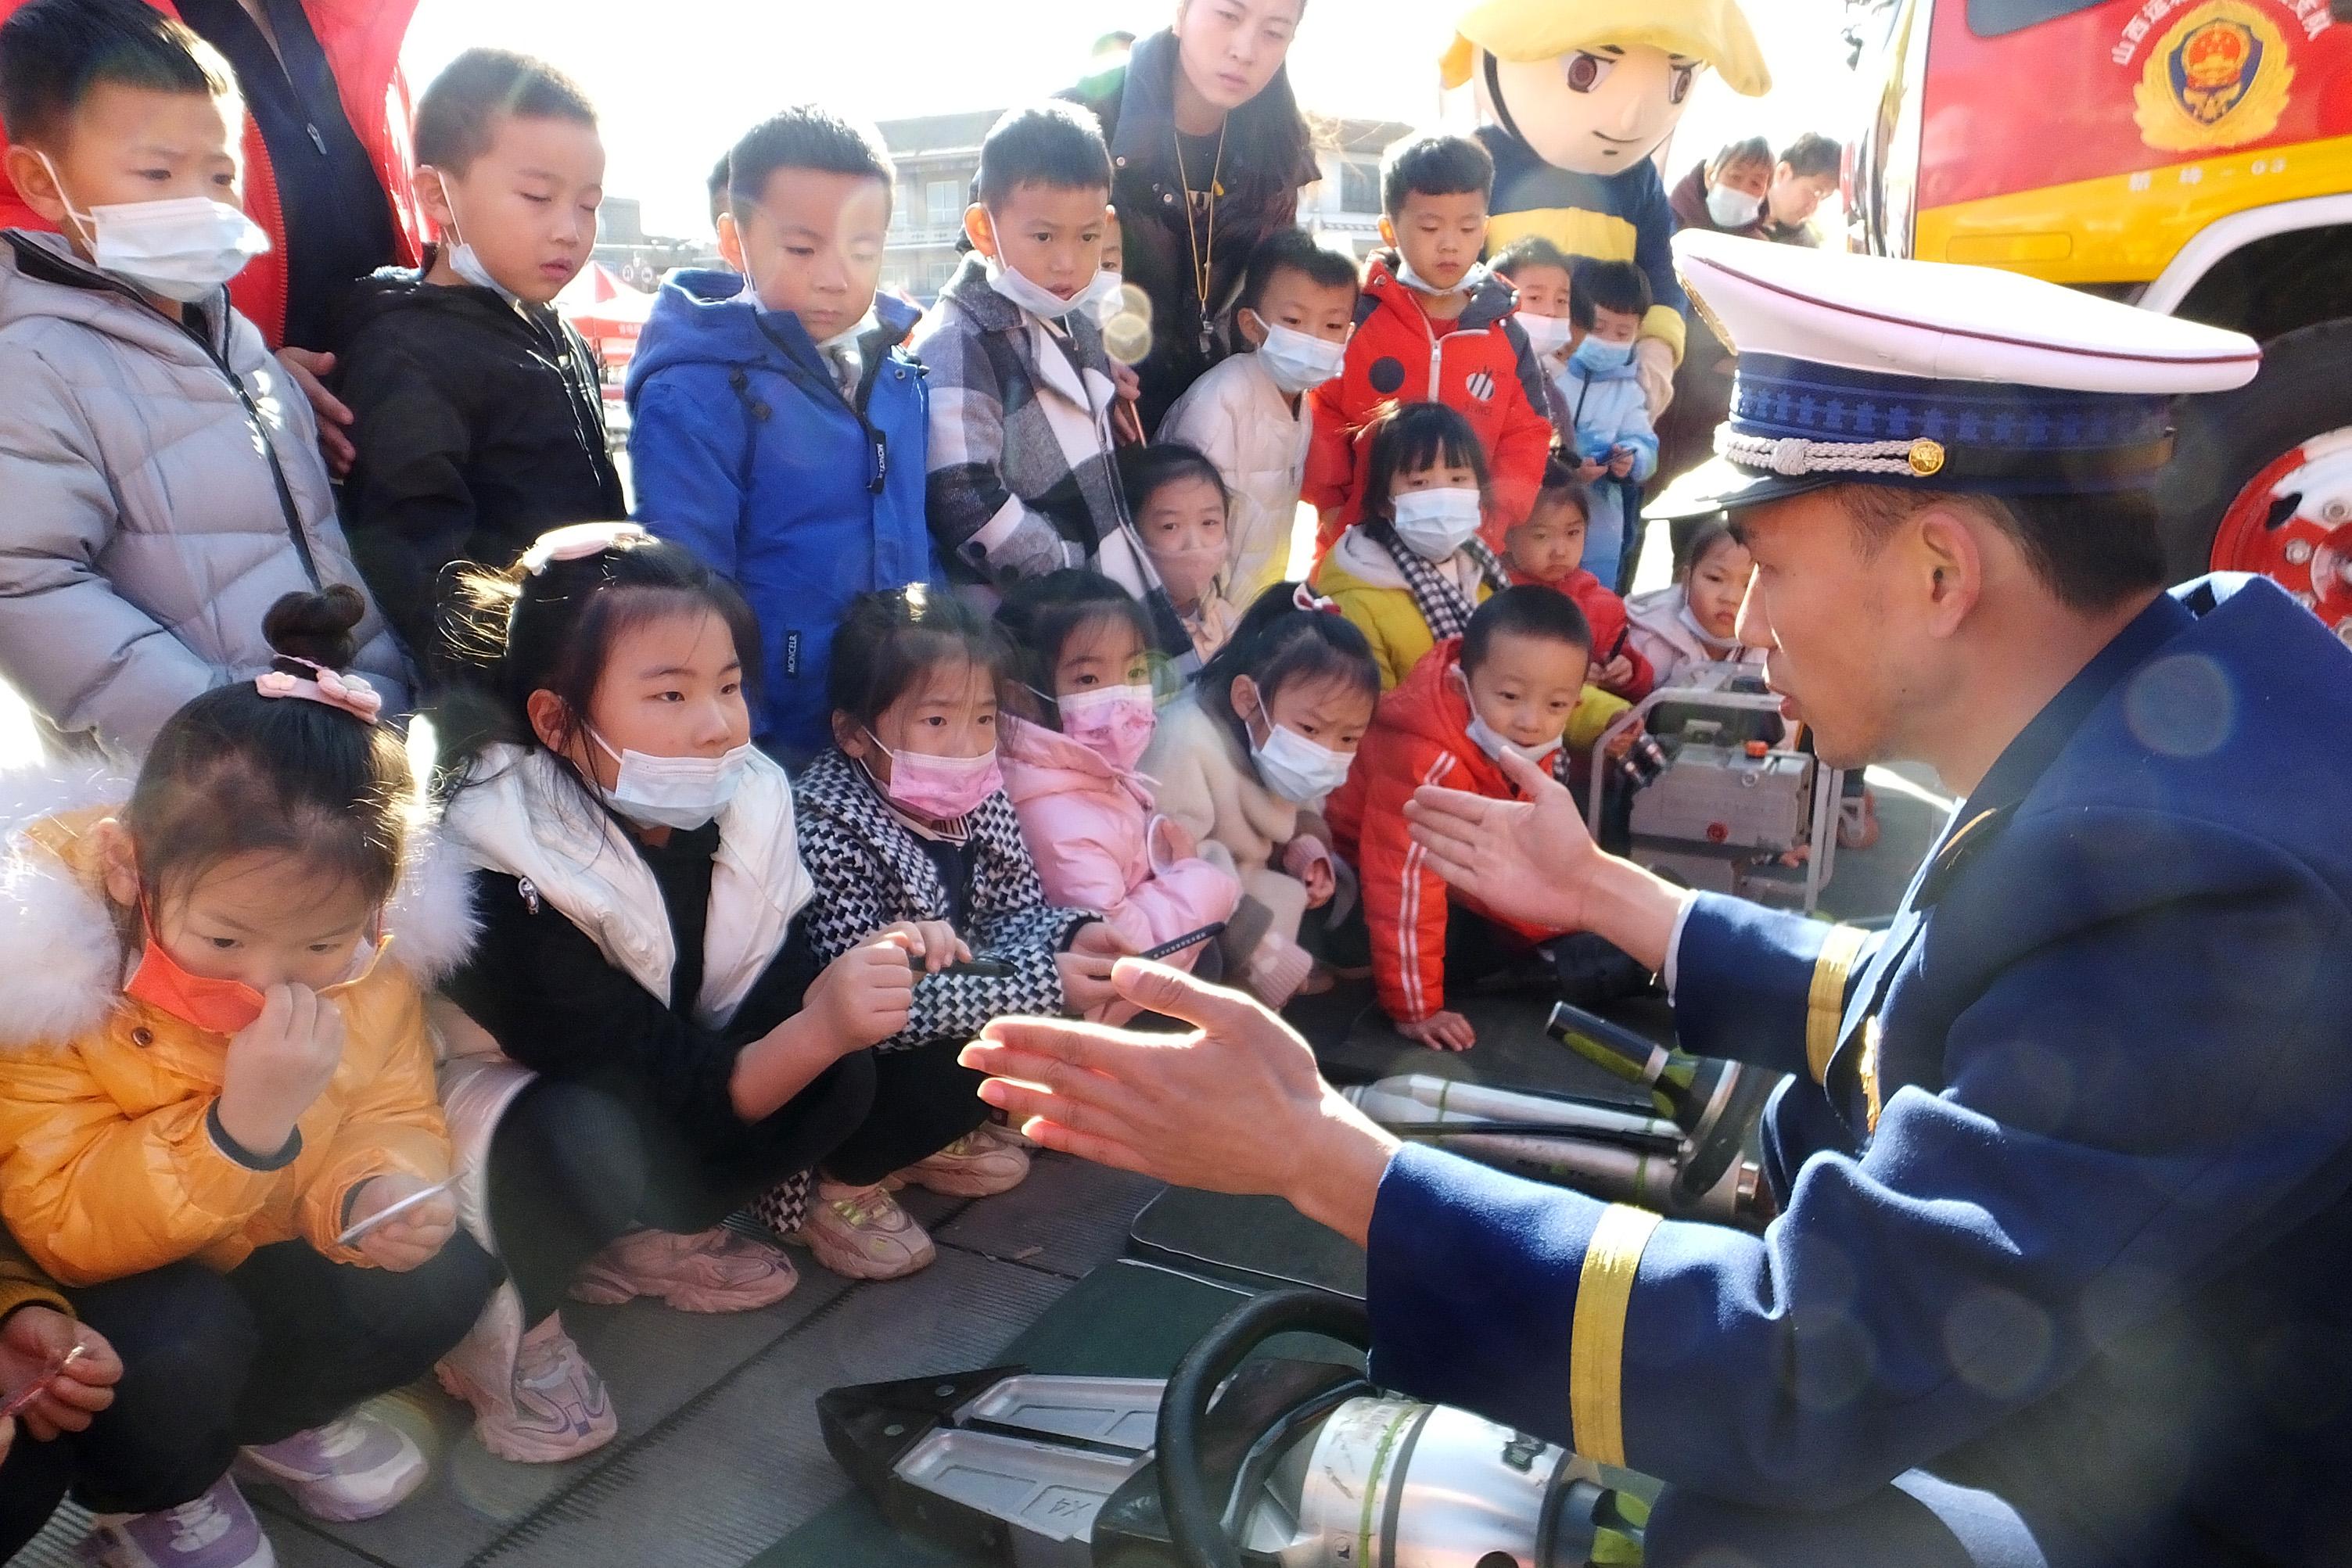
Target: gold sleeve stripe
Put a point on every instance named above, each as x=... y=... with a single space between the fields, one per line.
x=1825 y=1003
x=1596 y=1344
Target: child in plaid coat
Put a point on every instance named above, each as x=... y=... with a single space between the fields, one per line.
x=1022 y=479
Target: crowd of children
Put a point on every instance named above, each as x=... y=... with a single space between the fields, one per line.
x=920 y=691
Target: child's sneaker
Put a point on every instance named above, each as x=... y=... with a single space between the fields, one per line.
x=715 y=1272
x=356 y=1466
x=861 y=1233
x=536 y=1400
x=216 y=1530
x=978 y=1164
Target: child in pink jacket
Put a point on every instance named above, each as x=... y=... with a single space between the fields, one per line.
x=1078 y=713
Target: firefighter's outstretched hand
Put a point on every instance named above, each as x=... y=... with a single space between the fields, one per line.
x=1531 y=860
x=1236 y=1105
x=1527 y=860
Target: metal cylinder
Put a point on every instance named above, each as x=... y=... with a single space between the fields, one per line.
x=1421 y=1099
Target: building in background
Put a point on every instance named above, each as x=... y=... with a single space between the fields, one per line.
x=637 y=258
x=938 y=154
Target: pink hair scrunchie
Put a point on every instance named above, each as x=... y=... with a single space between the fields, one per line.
x=350 y=694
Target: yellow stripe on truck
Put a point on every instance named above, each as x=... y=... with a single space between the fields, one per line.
x=2125 y=228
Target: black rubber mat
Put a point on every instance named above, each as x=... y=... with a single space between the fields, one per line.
x=1260 y=1242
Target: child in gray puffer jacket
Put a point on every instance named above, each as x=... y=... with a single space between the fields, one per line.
x=162 y=476
x=164 y=488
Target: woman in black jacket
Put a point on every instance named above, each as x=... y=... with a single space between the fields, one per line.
x=1209 y=151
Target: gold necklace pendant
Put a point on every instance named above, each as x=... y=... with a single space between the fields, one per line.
x=1205 y=256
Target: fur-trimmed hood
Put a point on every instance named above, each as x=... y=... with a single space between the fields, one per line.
x=60 y=947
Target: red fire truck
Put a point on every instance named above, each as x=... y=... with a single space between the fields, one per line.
x=2188 y=156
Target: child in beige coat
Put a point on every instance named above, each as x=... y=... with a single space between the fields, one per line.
x=1244 y=759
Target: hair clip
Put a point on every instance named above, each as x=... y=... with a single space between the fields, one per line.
x=350 y=694
x=578 y=541
x=1305 y=598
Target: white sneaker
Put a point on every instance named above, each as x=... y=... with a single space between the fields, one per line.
x=216 y=1531
x=356 y=1466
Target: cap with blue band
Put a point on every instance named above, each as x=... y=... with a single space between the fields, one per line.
x=1925 y=375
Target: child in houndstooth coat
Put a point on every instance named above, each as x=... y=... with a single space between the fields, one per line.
x=905 y=813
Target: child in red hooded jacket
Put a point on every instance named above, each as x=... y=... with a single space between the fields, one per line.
x=1433 y=325
x=1507 y=684
x=1549 y=548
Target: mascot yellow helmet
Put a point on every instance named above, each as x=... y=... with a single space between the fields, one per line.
x=1714 y=31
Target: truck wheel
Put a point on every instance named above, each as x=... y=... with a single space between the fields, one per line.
x=2262 y=481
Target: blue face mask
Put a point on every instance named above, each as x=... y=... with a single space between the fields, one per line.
x=1595 y=358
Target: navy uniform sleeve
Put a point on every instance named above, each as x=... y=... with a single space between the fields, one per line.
x=1763 y=986
x=2141 y=1094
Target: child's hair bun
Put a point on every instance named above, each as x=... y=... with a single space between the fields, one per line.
x=316 y=627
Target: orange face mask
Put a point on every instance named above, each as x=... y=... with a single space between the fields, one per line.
x=214 y=1006
x=218 y=1006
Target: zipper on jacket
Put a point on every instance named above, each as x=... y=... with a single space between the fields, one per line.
x=253 y=412
x=292 y=513
x=285 y=504
x=877 y=445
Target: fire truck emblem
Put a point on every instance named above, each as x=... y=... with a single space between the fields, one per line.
x=2219 y=78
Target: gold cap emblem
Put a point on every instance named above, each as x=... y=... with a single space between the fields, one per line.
x=1926 y=456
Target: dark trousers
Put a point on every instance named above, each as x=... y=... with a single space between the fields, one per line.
x=33 y=1482
x=285 y=1341
x=573 y=1167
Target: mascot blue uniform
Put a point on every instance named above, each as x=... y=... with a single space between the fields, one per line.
x=2062 y=1273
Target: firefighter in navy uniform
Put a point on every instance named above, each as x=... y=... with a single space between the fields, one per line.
x=2062 y=1273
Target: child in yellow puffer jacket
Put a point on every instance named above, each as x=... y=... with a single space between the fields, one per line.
x=218 y=1127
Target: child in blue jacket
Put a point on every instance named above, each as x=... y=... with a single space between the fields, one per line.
x=777 y=430
x=1616 y=449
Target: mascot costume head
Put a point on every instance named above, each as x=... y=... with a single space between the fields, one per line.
x=1574 y=96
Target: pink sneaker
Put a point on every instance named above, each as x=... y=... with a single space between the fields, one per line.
x=861 y=1233
x=978 y=1164
x=536 y=1399
x=715 y=1272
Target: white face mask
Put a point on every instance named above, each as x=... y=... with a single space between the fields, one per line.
x=466 y=264
x=1411 y=279
x=1299 y=362
x=1294 y=767
x=1732 y=209
x=1036 y=298
x=1706 y=638
x=1493 y=741
x=185 y=248
x=1434 y=524
x=1547 y=335
x=680 y=792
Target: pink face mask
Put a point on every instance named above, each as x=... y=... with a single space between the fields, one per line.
x=1115 y=722
x=940 y=788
